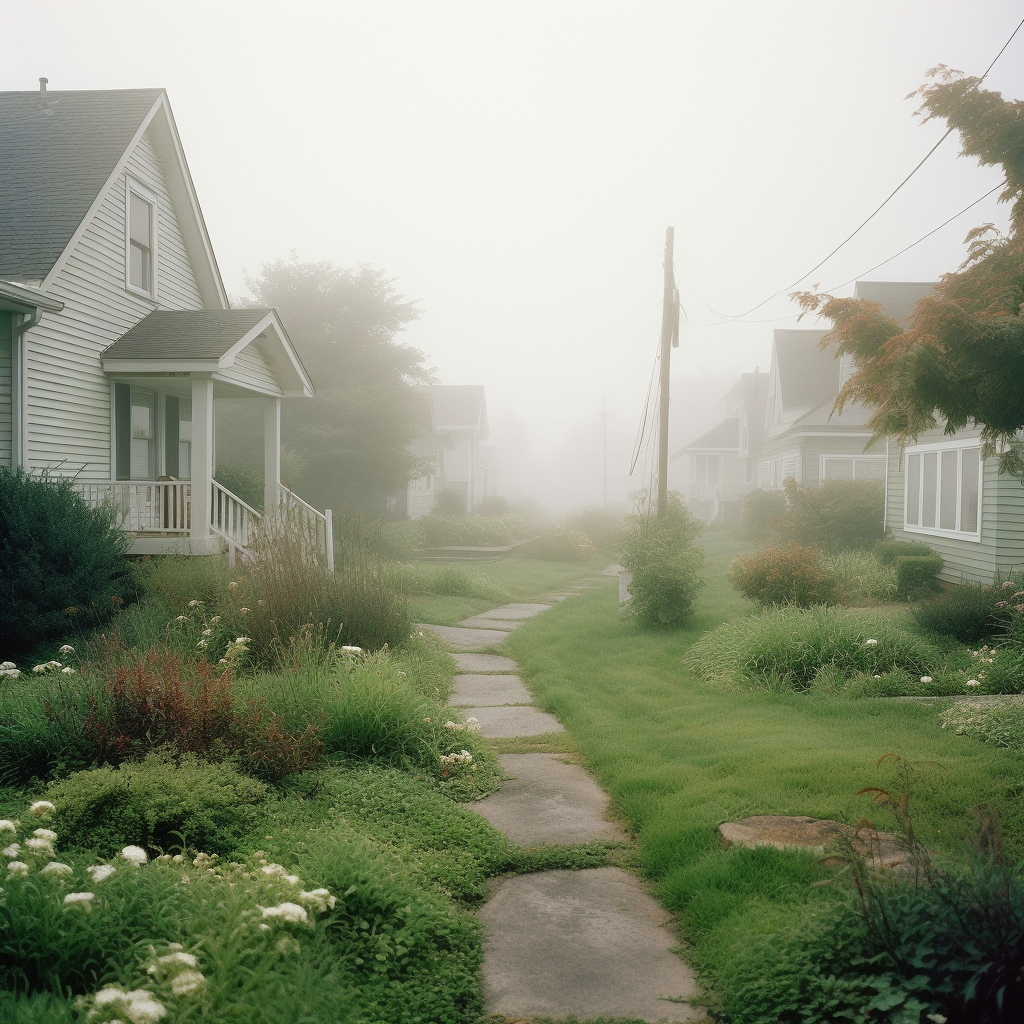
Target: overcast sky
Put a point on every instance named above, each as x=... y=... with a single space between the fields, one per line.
x=513 y=164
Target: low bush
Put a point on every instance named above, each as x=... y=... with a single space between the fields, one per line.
x=888 y=550
x=998 y=720
x=839 y=515
x=441 y=531
x=558 y=544
x=174 y=580
x=666 y=567
x=968 y=612
x=917 y=575
x=862 y=579
x=601 y=526
x=761 y=511
x=63 y=562
x=788 y=649
x=400 y=540
x=789 y=575
x=161 y=803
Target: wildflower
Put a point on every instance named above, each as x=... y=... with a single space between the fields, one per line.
x=187 y=982
x=40 y=668
x=16 y=867
x=245 y=610
x=135 y=855
x=13 y=850
x=202 y=644
x=973 y=682
x=348 y=649
x=1007 y=584
x=7 y=665
x=138 y=1005
x=194 y=604
x=926 y=679
x=42 y=808
x=100 y=871
x=320 y=899
x=42 y=847
x=215 y=618
x=232 y=585
x=67 y=649
x=67 y=671
x=289 y=912
x=46 y=833
x=177 y=957
x=56 y=868
x=78 y=899
x=243 y=639
x=11 y=673
x=1002 y=604
x=870 y=643
x=207 y=632
x=6 y=825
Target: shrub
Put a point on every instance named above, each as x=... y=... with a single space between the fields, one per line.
x=839 y=515
x=999 y=721
x=601 y=526
x=968 y=612
x=790 y=575
x=862 y=579
x=761 y=511
x=400 y=540
x=244 y=482
x=440 y=531
x=161 y=802
x=558 y=544
x=787 y=648
x=174 y=580
x=449 y=503
x=63 y=562
x=917 y=574
x=666 y=566
x=887 y=551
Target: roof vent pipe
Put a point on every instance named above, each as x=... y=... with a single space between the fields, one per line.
x=42 y=87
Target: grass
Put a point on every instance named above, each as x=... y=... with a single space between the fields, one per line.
x=679 y=756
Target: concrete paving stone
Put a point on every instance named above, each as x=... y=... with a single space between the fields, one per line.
x=461 y=639
x=507 y=723
x=581 y=943
x=516 y=611
x=489 y=691
x=548 y=801
x=486 y=622
x=485 y=663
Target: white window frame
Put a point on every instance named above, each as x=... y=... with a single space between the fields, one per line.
x=937 y=449
x=855 y=459
x=133 y=187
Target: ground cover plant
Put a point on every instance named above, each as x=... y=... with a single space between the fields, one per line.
x=679 y=755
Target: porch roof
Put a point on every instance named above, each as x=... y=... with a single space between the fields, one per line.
x=209 y=341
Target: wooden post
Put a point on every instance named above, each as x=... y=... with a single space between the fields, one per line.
x=669 y=337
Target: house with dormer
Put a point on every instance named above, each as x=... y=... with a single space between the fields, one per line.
x=117 y=338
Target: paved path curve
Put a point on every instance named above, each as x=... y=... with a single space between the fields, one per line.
x=588 y=943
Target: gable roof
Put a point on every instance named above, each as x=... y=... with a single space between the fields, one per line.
x=897 y=298
x=61 y=153
x=725 y=437
x=806 y=374
x=459 y=406
x=207 y=340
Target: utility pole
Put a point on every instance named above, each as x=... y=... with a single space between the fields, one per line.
x=669 y=341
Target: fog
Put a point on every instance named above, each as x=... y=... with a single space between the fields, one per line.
x=513 y=165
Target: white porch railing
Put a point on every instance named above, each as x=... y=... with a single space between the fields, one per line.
x=231 y=519
x=144 y=506
x=319 y=526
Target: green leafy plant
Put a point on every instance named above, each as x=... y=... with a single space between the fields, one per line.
x=666 y=566
x=967 y=612
x=999 y=721
x=63 y=562
x=916 y=575
x=762 y=509
x=559 y=544
x=789 y=575
x=601 y=526
x=862 y=579
x=888 y=550
x=839 y=515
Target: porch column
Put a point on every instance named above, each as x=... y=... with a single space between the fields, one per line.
x=202 y=462
x=271 y=453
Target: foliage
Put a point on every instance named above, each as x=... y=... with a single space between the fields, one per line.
x=601 y=526
x=789 y=575
x=450 y=502
x=470 y=531
x=243 y=482
x=797 y=649
x=174 y=580
x=839 y=515
x=163 y=802
x=997 y=720
x=940 y=369
x=968 y=612
x=666 y=566
x=63 y=562
x=559 y=544
x=352 y=441
x=444 y=579
x=862 y=579
x=761 y=510
x=916 y=575
x=888 y=550
x=400 y=539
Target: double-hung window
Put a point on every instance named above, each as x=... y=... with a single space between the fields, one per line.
x=943 y=489
x=140 y=239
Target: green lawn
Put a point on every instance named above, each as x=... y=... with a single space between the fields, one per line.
x=679 y=757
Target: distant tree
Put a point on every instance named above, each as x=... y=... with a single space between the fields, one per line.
x=350 y=442
x=961 y=359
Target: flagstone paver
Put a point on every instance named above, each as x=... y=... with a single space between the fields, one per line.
x=548 y=801
x=489 y=691
x=486 y=621
x=460 y=638
x=517 y=611
x=468 y=662
x=509 y=722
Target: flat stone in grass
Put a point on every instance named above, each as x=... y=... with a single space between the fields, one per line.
x=548 y=801
x=489 y=691
x=516 y=611
x=485 y=621
x=462 y=639
x=816 y=835
x=509 y=722
x=484 y=663
x=584 y=944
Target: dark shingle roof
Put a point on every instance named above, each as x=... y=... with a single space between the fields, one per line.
x=185 y=334
x=724 y=437
x=897 y=298
x=807 y=374
x=55 y=156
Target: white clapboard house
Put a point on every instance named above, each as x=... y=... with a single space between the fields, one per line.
x=116 y=335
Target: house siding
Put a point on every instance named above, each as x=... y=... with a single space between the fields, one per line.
x=68 y=395
x=252 y=369
x=6 y=391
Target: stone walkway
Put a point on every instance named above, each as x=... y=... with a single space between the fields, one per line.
x=589 y=943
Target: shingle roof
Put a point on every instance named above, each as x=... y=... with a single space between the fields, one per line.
x=186 y=334
x=56 y=153
x=808 y=375
x=459 y=405
x=897 y=298
x=723 y=437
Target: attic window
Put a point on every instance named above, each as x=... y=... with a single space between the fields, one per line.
x=141 y=236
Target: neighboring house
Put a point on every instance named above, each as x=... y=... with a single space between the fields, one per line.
x=116 y=336
x=941 y=492
x=803 y=438
x=453 y=446
x=721 y=461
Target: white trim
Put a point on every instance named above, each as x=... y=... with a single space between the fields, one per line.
x=132 y=186
x=838 y=457
x=959 y=445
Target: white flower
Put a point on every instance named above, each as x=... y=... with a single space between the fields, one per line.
x=186 y=982
x=6 y=825
x=42 y=808
x=202 y=644
x=11 y=673
x=46 y=833
x=42 y=847
x=243 y=639
x=290 y=912
x=320 y=899
x=972 y=682
x=181 y=618
x=926 y=679
x=68 y=671
x=232 y=585
x=40 y=668
x=56 y=868
x=348 y=649
x=194 y=604
x=67 y=649
x=138 y=1005
x=215 y=618
x=13 y=850
x=206 y=632
x=870 y=643
x=78 y=899
x=16 y=867
x=177 y=957
x=135 y=855
x=100 y=871
x=7 y=665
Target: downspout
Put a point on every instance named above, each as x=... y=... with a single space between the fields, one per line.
x=19 y=381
